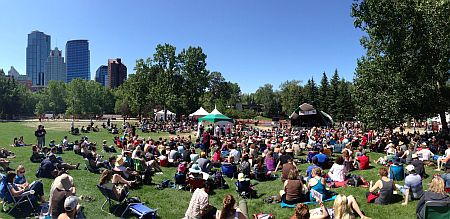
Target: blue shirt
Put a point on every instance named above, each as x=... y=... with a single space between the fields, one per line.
x=322 y=158
x=414 y=183
x=309 y=170
x=19 y=179
x=446 y=178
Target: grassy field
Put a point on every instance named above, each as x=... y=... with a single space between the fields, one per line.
x=172 y=203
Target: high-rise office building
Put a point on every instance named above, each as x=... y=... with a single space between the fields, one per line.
x=38 y=49
x=101 y=75
x=78 y=60
x=55 y=67
x=117 y=73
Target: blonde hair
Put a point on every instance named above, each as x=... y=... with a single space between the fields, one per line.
x=317 y=171
x=341 y=208
x=20 y=167
x=437 y=185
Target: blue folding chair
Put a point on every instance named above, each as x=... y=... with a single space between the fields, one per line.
x=141 y=210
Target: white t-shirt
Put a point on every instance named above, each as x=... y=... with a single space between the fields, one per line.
x=336 y=173
x=426 y=154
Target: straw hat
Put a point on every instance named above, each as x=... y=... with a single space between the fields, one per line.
x=63 y=182
x=120 y=160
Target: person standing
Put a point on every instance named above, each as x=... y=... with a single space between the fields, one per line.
x=40 y=135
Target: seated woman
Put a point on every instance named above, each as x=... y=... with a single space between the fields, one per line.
x=346 y=206
x=435 y=192
x=348 y=162
x=244 y=167
x=116 y=183
x=293 y=189
x=317 y=182
x=396 y=170
x=122 y=170
x=337 y=171
x=270 y=161
x=16 y=191
x=21 y=182
x=229 y=209
x=37 y=156
x=302 y=211
x=95 y=160
x=385 y=188
x=260 y=170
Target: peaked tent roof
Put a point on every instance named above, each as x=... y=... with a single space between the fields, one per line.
x=199 y=112
x=215 y=118
x=215 y=111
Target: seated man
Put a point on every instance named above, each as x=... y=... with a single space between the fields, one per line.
x=322 y=159
x=203 y=163
x=362 y=162
x=61 y=189
x=413 y=185
x=71 y=208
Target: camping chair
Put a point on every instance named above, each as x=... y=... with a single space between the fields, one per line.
x=229 y=170
x=89 y=167
x=244 y=189
x=23 y=198
x=437 y=210
x=111 y=197
x=195 y=182
x=141 y=210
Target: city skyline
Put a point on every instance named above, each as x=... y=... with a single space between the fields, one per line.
x=250 y=43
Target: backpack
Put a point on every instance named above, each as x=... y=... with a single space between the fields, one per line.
x=355 y=181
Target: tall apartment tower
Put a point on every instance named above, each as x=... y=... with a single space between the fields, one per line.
x=55 y=67
x=117 y=73
x=38 y=48
x=78 y=60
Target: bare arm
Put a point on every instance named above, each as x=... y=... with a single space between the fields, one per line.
x=376 y=186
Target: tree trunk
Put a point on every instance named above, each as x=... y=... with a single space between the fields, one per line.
x=444 y=122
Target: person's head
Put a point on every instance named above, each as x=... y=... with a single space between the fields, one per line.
x=245 y=157
x=10 y=176
x=301 y=211
x=321 y=150
x=70 y=205
x=105 y=177
x=345 y=153
x=341 y=207
x=437 y=185
x=316 y=172
x=20 y=170
x=34 y=148
x=63 y=182
x=383 y=171
x=112 y=160
x=293 y=174
x=340 y=160
x=228 y=206
x=202 y=154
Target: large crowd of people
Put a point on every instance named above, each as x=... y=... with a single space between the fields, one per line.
x=242 y=152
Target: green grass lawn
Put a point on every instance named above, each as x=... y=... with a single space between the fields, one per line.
x=172 y=203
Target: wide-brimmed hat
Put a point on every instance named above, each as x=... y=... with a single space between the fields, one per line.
x=409 y=168
x=413 y=156
x=195 y=168
x=63 y=182
x=120 y=160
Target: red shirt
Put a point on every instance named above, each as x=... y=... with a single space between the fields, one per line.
x=363 y=162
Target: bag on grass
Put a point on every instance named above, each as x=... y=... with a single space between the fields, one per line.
x=371 y=197
x=263 y=216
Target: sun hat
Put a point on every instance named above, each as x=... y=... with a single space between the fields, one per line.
x=414 y=156
x=70 y=203
x=195 y=168
x=63 y=182
x=120 y=160
x=409 y=168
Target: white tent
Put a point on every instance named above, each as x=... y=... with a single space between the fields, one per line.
x=160 y=115
x=215 y=112
x=199 y=113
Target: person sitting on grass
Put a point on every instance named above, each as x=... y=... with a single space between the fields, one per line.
x=322 y=159
x=229 y=209
x=413 y=185
x=337 y=172
x=117 y=184
x=204 y=163
x=425 y=155
x=293 y=189
x=436 y=192
x=396 y=170
x=21 y=182
x=362 y=162
x=317 y=182
x=302 y=211
x=71 y=208
x=287 y=167
x=407 y=155
x=260 y=169
x=199 y=206
x=310 y=168
x=346 y=207
x=385 y=188
x=61 y=188
x=95 y=160
x=446 y=177
x=441 y=161
x=419 y=166
x=37 y=156
x=270 y=161
x=244 y=167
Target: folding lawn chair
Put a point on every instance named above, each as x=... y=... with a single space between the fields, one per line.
x=244 y=189
x=141 y=210
x=111 y=197
x=437 y=210
x=22 y=198
x=88 y=166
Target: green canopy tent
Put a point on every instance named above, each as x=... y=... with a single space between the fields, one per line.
x=213 y=118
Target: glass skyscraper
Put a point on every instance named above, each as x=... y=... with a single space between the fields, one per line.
x=101 y=75
x=55 y=68
x=38 y=49
x=78 y=60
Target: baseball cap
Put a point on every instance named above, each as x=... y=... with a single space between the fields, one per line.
x=409 y=168
x=70 y=203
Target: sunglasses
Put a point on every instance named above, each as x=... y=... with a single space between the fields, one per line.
x=22 y=172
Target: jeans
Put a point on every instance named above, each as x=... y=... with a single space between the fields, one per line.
x=41 y=141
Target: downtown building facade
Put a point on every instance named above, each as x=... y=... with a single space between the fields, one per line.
x=117 y=73
x=101 y=75
x=38 y=49
x=77 y=60
x=55 y=67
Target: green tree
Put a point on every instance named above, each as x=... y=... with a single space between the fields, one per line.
x=324 y=92
x=406 y=65
x=290 y=96
x=55 y=97
x=333 y=94
x=268 y=99
x=311 y=92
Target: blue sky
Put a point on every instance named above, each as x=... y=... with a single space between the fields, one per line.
x=250 y=42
